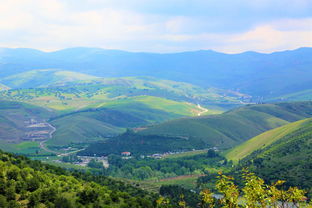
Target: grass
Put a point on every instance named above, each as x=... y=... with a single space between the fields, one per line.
x=68 y=96
x=42 y=78
x=170 y=106
x=301 y=95
x=287 y=157
x=233 y=127
x=187 y=181
x=261 y=141
x=13 y=116
x=186 y=154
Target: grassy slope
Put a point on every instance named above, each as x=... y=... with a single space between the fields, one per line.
x=3 y=87
x=300 y=95
x=84 y=94
x=235 y=126
x=288 y=158
x=42 y=78
x=261 y=141
x=14 y=114
x=97 y=123
x=158 y=103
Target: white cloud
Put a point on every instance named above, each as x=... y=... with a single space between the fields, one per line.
x=55 y=24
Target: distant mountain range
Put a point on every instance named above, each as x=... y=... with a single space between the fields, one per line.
x=274 y=76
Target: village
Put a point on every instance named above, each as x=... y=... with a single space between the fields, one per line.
x=102 y=161
x=37 y=130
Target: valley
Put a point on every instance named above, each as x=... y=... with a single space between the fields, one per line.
x=155 y=133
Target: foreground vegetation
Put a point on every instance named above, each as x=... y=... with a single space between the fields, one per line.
x=254 y=193
x=288 y=158
x=26 y=183
x=149 y=168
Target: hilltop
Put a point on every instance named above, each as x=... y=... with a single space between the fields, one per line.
x=223 y=130
x=276 y=74
x=94 y=93
x=43 y=78
x=234 y=126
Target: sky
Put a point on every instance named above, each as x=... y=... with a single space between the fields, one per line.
x=230 y=26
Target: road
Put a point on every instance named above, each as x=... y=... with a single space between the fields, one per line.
x=43 y=147
x=204 y=110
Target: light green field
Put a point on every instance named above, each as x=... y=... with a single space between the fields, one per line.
x=179 y=108
x=43 y=78
x=261 y=141
x=25 y=148
x=188 y=182
x=233 y=127
x=186 y=154
x=301 y=95
x=3 y=87
x=65 y=95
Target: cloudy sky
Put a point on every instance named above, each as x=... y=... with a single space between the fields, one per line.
x=229 y=26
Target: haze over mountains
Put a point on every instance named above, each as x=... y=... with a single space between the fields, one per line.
x=279 y=75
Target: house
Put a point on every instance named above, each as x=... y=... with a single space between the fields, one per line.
x=126 y=154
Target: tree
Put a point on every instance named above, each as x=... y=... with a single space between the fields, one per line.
x=211 y=153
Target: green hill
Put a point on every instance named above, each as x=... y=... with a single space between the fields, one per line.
x=3 y=87
x=300 y=95
x=114 y=118
x=26 y=183
x=235 y=126
x=43 y=78
x=262 y=141
x=287 y=158
x=93 y=93
x=16 y=116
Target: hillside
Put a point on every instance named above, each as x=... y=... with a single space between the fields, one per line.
x=235 y=126
x=275 y=74
x=28 y=183
x=16 y=120
x=288 y=158
x=43 y=78
x=263 y=140
x=3 y=87
x=115 y=117
x=93 y=93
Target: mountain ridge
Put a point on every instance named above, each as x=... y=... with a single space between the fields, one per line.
x=276 y=73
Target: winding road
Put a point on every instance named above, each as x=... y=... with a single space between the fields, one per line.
x=204 y=110
x=43 y=147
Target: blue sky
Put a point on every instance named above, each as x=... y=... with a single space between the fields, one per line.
x=229 y=26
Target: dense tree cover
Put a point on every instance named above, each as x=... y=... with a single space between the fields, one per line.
x=147 y=168
x=289 y=159
x=232 y=127
x=26 y=183
x=254 y=193
x=142 y=144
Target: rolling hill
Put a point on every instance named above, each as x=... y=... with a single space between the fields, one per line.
x=263 y=140
x=97 y=92
x=43 y=78
x=3 y=87
x=286 y=156
x=235 y=126
x=113 y=118
x=223 y=130
x=15 y=118
x=256 y=74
